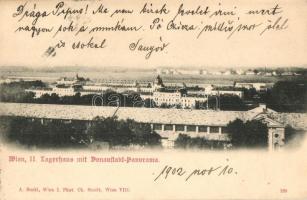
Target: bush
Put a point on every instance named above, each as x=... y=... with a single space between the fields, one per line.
x=249 y=134
x=288 y=96
x=184 y=141
x=60 y=133
x=123 y=132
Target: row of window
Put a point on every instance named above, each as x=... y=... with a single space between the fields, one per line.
x=173 y=100
x=167 y=95
x=157 y=99
x=190 y=128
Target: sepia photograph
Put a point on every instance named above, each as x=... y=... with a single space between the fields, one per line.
x=153 y=100
x=225 y=109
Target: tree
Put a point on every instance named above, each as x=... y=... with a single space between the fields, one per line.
x=249 y=134
x=226 y=102
x=54 y=98
x=15 y=91
x=51 y=133
x=164 y=105
x=44 y=98
x=249 y=93
x=293 y=137
x=149 y=103
x=257 y=133
x=28 y=97
x=182 y=141
x=289 y=133
x=123 y=132
x=236 y=130
x=231 y=102
x=289 y=96
x=77 y=98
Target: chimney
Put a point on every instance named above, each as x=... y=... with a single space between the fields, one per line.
x=263 y=107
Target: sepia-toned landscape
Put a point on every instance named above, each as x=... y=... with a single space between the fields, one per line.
x=154 y=108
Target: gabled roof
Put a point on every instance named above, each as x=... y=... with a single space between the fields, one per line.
x=152 y=115
x=262 y=109
x=268 y=121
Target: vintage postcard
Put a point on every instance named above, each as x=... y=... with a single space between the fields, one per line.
x=153 y=99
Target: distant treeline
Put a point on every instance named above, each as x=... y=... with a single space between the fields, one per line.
x=15 y=91
x=302 y=71
x=73 y=69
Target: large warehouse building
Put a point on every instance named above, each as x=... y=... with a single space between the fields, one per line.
x=169 y=123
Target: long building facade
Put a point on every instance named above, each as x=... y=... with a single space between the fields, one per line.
x=156 y=91
x=169 y=123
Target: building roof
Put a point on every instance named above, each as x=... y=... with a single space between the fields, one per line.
x=146 y=115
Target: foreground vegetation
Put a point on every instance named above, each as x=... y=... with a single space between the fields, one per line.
x=249 y=134
x=59 y=133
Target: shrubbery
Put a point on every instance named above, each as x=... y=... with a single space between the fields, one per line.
x=184 y=141
x=59 y=133
x=248 y=134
